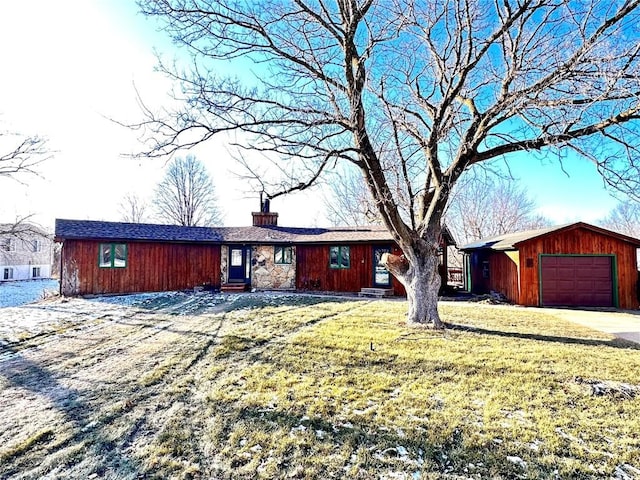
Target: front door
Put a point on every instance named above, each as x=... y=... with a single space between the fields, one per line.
x=239 y=264
x=381 y=276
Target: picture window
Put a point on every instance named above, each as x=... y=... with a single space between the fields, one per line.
x=113 y=255
x=283 y=255
x=339 y=257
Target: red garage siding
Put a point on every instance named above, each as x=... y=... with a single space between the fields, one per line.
x=604 y=271
x=577 y=280
x=584 y=242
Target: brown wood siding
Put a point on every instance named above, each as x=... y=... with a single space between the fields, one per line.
x=314 y=272
x=579 y=241
x=151 y=267
x=503 y=276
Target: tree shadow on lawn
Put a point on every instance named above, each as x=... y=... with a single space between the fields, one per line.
x=109 y=460
x=590 y=342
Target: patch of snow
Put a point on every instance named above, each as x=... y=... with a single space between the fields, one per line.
x=14 y=294
x=567 y=436
x=626 y=472
x=393 y=476
x=535 y=445
x=20 y=322
x=299 y=428
x=517 y=461
x=27 y=321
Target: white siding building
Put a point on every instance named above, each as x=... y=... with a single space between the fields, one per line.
x=26 y=254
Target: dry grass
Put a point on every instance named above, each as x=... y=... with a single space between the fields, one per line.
x=302 y=387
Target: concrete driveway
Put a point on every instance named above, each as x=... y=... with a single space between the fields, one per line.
x=621 y=323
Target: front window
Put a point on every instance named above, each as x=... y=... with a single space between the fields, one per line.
x=283 y=255
x=37 y=245
x=7 y=274
x=35 y=271
x=339 y=257
x=113 y=255
x=9 y=245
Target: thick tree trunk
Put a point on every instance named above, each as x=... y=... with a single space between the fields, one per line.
x=422 y=285
x=421 y=280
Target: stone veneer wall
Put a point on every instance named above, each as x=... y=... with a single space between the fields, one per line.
x=265 y=274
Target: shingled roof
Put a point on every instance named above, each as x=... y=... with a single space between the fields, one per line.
x=510 y=241
x=117 y=231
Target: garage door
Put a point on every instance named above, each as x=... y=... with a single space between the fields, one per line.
x=577 y=281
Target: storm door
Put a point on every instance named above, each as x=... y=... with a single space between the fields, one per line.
x=239 y=264
x=381 y=276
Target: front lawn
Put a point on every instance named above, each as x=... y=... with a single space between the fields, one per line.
x=302 y=387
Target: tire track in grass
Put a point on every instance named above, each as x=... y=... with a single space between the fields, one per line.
x=182 y=390
x=106 y=412
x=37 y=358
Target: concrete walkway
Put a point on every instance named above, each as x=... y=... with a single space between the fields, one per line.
x=623 y=324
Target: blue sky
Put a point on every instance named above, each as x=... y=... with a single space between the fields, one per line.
x=69 y=65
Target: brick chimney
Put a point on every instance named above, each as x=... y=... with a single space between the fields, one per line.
x=264 y=217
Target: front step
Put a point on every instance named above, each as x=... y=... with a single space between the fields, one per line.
x=376 y=292
x=234 y=287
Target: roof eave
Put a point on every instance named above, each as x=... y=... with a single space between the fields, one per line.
x=586 y=226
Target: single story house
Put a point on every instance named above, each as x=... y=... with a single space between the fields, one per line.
x=26 y=253
x=568 y=265
x=110 y=257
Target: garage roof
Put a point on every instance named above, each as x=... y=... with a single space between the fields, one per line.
x=511 y=241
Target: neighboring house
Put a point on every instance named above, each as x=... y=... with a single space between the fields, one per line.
x=108 y=257
x=25 y=253
x=568 y=265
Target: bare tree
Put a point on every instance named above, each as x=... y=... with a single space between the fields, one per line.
x=624 y=218
x=412 y=93
x=185 y=196
x=22 y=154
x=348 y=201
x=133 y=209
x=487 y=205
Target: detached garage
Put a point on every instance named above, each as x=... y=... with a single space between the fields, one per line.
x=576 y=265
